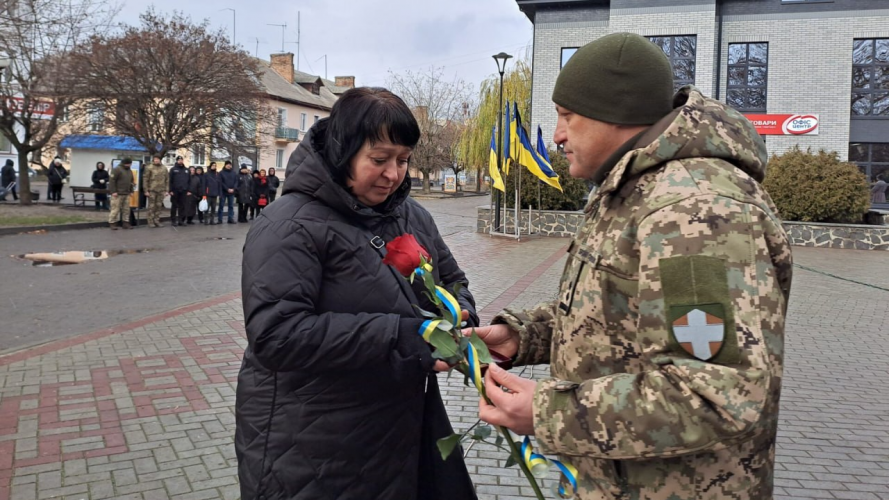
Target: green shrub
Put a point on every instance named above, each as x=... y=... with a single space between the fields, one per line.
x=572 y=197
x=817 y=187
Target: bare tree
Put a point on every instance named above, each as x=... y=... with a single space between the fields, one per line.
x=37 y=85
x=171 y=83
x=439 y=106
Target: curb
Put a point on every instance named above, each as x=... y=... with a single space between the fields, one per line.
x=9 y=231
x=56 y=345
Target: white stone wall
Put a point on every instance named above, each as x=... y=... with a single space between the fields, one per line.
x=549 y=38
x=810 y=59
x=810 y=68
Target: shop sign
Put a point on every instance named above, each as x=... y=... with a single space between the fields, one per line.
x=785 y=124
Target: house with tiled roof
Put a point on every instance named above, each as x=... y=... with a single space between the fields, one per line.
x=298 y=100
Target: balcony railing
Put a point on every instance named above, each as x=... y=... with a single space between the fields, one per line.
x=286 y=134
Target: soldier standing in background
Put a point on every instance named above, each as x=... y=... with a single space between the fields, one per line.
x=178 y=192
x=666 y=341
x=120 y=187
x=156 y=182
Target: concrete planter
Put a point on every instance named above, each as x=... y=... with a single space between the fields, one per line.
x=805 y=234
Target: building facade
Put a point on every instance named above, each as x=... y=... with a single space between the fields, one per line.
x=812 y=73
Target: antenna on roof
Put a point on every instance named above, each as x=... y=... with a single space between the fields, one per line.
x=325 y=64
x=283 y=29
x=258 y=41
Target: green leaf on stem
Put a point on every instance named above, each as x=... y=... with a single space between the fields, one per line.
x=481 y=432
x=444 y=344
x=424 y=313
x=446 y=445
x=499 y=441
x=510 y=461
x=484 y=356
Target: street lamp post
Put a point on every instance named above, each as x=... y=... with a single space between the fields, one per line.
x=234 y=25
x=500 y=59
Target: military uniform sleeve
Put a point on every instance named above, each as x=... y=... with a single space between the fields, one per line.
x=709 y=254
x=535 y=330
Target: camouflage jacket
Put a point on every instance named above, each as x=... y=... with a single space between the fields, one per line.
x=156 y=178
x=666 y=342
x=121 y=181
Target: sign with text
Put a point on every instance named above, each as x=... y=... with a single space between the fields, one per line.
x=785 y=124
x=41 y=110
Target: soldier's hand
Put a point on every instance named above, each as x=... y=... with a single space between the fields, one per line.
x=498 y=338
x=513 y=399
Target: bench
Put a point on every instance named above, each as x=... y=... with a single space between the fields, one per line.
x=79 y=193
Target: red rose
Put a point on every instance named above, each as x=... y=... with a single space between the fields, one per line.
x=403 y=253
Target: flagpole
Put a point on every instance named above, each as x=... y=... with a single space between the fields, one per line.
x=501 y=68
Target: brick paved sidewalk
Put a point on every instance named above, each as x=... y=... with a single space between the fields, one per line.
x=145 y=410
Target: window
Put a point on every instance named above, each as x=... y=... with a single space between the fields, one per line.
x=302 y=122
x=282 y=117
x=65 y=114
x=96 y=117
x=5 y=145
x=198 y=155
x=747 y=76
x=681 y=50
x=872 y=159
x=279 y=159
x=316 y=119
x=170 y=158
x=567 y=52
x=870 y=78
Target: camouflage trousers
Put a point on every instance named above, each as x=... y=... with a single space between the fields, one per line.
x=155 y=206
x=120 y=207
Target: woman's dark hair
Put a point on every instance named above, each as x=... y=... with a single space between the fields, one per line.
x=365 y=114
x=102 y=163
x=199 y=169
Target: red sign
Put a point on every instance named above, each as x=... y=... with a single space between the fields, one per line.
x=42 y=110
x=785 y=124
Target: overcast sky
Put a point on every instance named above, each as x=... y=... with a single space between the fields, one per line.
x=367 y=38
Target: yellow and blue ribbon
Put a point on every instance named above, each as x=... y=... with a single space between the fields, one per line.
x=475 y=369
x=537 y=464
x=450 y=304
x=568 y=472
x=428 y=327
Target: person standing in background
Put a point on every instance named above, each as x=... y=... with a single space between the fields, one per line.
x=121 y=186
x=155 y=183
x=245 y=191
x=56 y=176
x=211 y=193
x=228 y=186
x=178 y=192
x=193 y=195
x=9 y=178
x=274 y=182
x=100 y=181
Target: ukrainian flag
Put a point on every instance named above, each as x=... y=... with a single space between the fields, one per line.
x=541 y=146
x=530 y=158
x=492 y=165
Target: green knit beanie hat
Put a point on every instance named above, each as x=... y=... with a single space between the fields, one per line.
x=620 y=78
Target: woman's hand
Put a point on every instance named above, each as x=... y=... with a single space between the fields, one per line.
x=441 y=366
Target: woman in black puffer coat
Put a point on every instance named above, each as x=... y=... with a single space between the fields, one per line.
x=337 y=397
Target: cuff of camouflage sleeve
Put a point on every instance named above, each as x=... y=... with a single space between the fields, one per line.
x=554 y=401
x=528 y=353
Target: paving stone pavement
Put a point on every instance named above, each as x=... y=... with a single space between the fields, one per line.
x=145 y=410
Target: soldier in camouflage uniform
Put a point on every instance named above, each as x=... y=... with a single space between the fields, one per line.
x=120 y=186
x=156 y=182
x=666 y=341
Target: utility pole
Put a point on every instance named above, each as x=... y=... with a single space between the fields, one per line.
x=283 y=30
x=297 y=38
